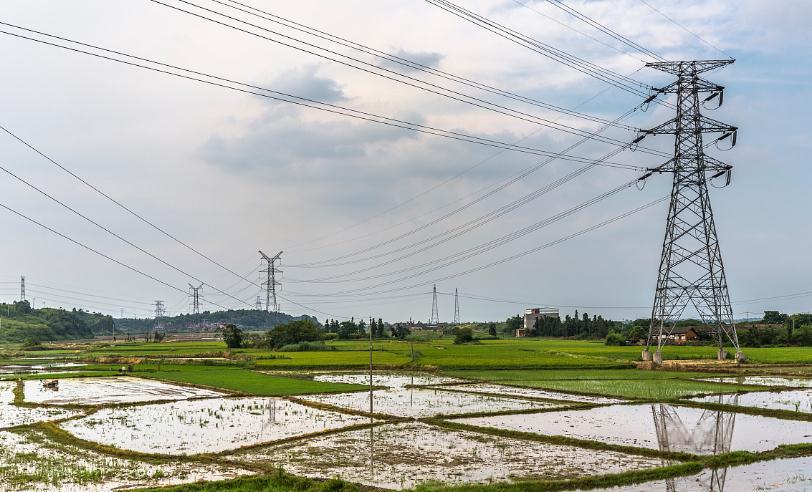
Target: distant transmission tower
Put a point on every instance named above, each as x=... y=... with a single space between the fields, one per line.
x=160 y=311
x=258 y=305
x=435 y=315
x=194 y=293
x=22 y=288
x=691 y=269
x=456 y=307
x=270 y=282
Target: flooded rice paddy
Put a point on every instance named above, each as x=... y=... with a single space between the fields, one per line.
x=659 y=426
x=794 y=474
x=421 y=403
x=795 y=401
x=205 y=426
x=168 y=419
x=389 y=380
x=397 y=456
x=763 y=381
x=115 y=390
x=516 y=391
x=12 y=415
x=31 y=462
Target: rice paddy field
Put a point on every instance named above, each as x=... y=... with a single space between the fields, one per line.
x=495 y=415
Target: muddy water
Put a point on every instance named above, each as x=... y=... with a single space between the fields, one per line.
x=205 y=426
x=419 y=403
x=795 y=401
x=11 y=415
x=764 y=381
x=389 y=380
x=405 y=455
x=31 y=463
x=660 y=426
x=793 y=474
x=100 y=391
x=499 y=389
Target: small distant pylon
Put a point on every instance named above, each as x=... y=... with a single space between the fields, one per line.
x=456 y=307
x=270 y=282
x=22 y=288
x=258 y=305
x=160 y=311
x=435 y=315
x=194 y=293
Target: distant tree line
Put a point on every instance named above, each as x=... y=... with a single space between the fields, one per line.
x=576 y=326
x=773 y=329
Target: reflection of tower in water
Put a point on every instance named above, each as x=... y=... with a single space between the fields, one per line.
x=712 y=434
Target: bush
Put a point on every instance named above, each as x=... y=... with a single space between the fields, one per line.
x=615 y=338
x=293 y=333
x=463 y=335
x=232 y=336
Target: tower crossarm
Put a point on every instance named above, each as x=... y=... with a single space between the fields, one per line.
x=694 y=66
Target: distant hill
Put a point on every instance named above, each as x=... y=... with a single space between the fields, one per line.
x=20 y=323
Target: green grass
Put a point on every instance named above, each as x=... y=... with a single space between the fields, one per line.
x=61 y=375
x=240 y=380
x=276 y=482
x=519 y=375
x=637 y=388
x=625 y=383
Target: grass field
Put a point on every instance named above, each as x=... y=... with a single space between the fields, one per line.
x=239 y=380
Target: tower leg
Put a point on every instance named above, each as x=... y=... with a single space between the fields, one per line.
x=646 y=355
x=658 y=357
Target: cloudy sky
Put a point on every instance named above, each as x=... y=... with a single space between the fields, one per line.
x=369 y=216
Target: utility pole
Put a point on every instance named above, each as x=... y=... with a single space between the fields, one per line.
x=270 y=283
x=22 y=288
x=456 y=307
x=194 y=293
x=691 y=271
x=435 y=315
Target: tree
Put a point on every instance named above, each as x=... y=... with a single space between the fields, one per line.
x=492 y=329
x=463 y=335
x=514 y=323
x=774 y=317
x=373 y=327
x=294 y=332
x=400 y=331
x=380 y=328
x=232 y=336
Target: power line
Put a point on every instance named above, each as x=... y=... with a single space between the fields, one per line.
x=597 y=25
x=130 y=301
x=405 y=62
x=621 y=82
x=337 y=261
x=410 y=81
x=297 y=100
x=356 y=292
x=414 y=197
x=567 y=26
x=681 y=26
x=94 y=251
x=114 y=234
x=476 y=250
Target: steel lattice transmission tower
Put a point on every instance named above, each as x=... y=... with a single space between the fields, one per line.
x=22 y=288
x=691 y=270
x=270 y=283
x=160 y=311
x=194 y=293
x=456 y=307
x=435 y=314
